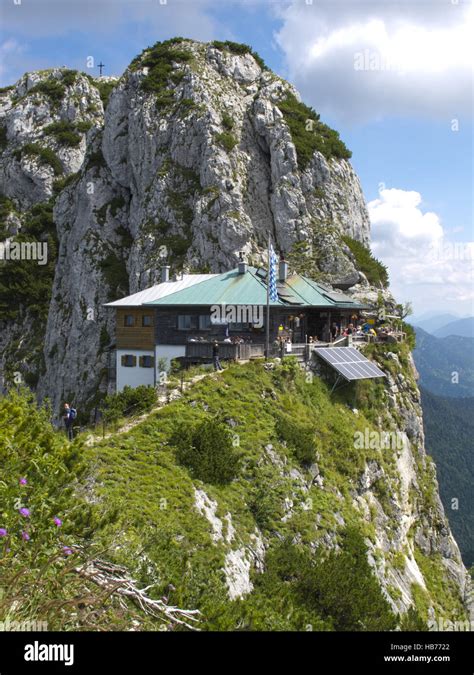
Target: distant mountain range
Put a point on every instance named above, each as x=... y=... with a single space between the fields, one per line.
x=449 y=430
x=443 y=325
x=448 y=415
x=445 y=365
x=462 y=327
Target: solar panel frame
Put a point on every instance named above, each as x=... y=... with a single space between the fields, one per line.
x=349 y=363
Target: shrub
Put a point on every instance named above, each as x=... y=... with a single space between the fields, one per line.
x=227 y=121
x=115 y=272
x=95 y=160
x=299 y=437
x=129 y=401
x=64 y=132
x=61 y=183
x=51 y=88
x=159 y=60
x=23 y=284
x=413 y=621
x=207 y=451
x=374 y=270
x=3 y=138
x=343 y=586
x=226 y=140
x=105 y=88
x=309 y=133
x=239 y=48
x=69 y=77
x=44 y=154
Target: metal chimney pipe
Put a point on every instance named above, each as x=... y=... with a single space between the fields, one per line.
x=242 y=264
x=165 y=273
x=282 y=270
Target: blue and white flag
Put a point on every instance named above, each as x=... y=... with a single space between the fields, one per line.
x=272 y=275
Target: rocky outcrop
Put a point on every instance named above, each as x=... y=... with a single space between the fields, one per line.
x=199 y=177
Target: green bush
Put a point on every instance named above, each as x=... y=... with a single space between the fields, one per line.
x=115 y=272
x=226 y=140
x=23 y=283
x=227 y=121
x=105 y=88
x=95 y=160
x=159 y=60
x=374 y=270
x=51 y=88
x=3 y=138
x=207 y=451
x=45 y=155
x=413 y=621
x=69 y=77
x=129 y=401
x=344 y=588
x=64 y=132
x=299 y=437
x=239 y=48
x=309 y=133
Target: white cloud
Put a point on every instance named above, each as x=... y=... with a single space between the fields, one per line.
x=360 y=61
x=424 y=264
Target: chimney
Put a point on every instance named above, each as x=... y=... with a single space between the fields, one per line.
x=282 y=269
x=242 y=264
x=165 y=273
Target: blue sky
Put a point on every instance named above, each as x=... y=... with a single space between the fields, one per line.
x=393 y=77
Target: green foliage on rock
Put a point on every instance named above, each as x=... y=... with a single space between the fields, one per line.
x=3 y=138
x=239 y=48
x=115 y=273
x=309 y=133
x=159 y=59
x=52 y=88
x=207 y=451
x=105 y=88
x=64 y=132
x=226 y=140
x=374 y=270
x=299 y=436
x=44 y=154
x=24 y=284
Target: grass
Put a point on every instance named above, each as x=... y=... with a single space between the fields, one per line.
x=374 y=270
x=309 y=133
x=226 y=140
x=137 y=502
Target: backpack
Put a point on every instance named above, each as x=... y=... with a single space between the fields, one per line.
x=73 y=414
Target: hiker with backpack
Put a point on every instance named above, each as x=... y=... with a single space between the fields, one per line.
x=69 y=416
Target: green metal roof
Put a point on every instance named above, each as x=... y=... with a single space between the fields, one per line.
x=233 y=288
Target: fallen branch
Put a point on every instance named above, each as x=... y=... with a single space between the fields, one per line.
x=116 y=579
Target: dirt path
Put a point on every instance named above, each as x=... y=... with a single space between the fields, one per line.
x=162 y=400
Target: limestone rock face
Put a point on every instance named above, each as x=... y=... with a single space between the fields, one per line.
x=199 y=178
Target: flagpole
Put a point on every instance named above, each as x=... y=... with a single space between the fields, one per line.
x=267 y=336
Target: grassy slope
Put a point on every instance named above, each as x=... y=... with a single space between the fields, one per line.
x=141 y=503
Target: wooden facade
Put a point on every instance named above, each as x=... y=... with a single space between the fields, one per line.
x=299 y=323
x=136 y=336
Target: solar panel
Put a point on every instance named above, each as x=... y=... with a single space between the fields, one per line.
x=349 y=363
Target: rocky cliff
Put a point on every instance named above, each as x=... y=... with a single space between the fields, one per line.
x=200 y=153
